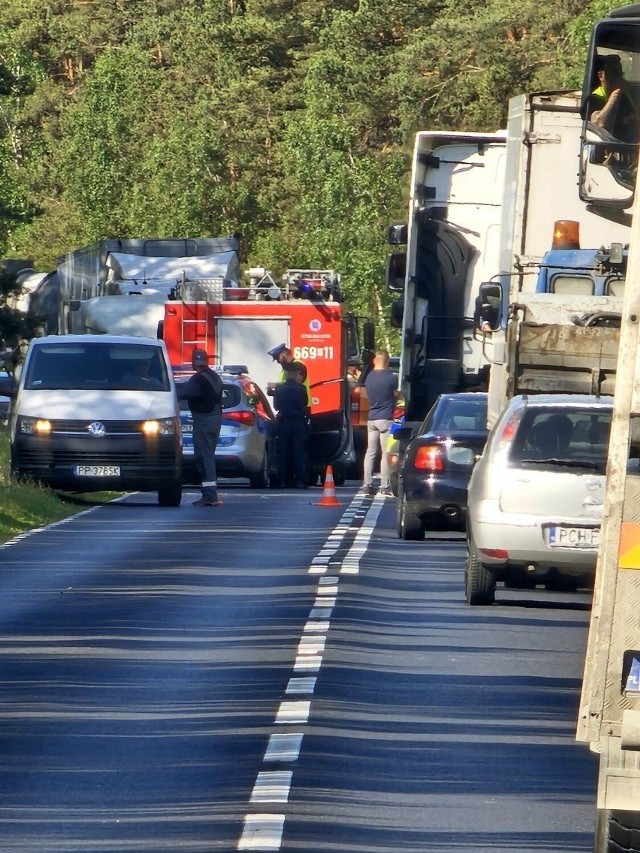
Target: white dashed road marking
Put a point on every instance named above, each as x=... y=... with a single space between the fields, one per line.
x=264 y=831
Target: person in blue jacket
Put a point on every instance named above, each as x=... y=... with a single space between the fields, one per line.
x=292 y=429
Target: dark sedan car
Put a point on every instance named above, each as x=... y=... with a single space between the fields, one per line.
x=437 y=463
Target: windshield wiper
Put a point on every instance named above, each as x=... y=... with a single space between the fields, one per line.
x=569 y=463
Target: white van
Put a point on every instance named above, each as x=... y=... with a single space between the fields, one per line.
x=98 y=413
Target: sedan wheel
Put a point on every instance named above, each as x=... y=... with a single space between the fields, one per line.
x=409 y=524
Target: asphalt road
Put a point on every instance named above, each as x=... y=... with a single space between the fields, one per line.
x=275 y=675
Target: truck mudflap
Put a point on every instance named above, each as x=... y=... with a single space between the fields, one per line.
x=554 y=358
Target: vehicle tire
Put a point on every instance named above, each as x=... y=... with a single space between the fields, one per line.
x=339 y=475
x=479 y=583
x=260 y=480
x=393 y=484
x=617 y=832
x=409 y=524
x=170 y=495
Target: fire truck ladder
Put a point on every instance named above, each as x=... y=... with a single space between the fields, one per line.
x=195 y=296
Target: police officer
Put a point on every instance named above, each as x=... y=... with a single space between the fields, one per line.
x=283 y=355
x=203 y=391
x=292 y=430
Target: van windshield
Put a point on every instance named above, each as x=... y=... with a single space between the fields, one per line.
x=104 y=366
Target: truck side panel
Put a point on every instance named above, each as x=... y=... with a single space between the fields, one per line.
x=452 y=244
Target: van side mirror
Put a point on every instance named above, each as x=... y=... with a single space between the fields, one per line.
x=396 y=270
x=488 y=311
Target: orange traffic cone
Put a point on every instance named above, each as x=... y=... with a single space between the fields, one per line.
x=329 y=491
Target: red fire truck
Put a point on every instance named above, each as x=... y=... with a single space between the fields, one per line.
x=239 y=325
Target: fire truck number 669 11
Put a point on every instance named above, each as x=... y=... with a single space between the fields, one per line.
x=313 y=352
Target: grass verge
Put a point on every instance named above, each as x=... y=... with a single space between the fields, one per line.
x=26 y=506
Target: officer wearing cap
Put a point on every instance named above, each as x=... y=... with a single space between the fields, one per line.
x=292 y=432
x=283 y=355
x=203 y=391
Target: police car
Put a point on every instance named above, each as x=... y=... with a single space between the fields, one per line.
x=246 y=447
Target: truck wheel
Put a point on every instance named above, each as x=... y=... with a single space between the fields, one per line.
x=170 y=495
x=617 y=832
x=409 y=524
x=479 y=584
x=260 y=480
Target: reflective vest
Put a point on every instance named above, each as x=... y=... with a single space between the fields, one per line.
x=305 y=381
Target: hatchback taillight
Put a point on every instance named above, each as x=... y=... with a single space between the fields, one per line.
x=429 y=458
x=243 y=417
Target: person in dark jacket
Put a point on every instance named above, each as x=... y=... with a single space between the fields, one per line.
x=292 y=429
x=203 y=391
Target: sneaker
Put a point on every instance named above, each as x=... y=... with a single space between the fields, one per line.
x=387 y=493
x=369 y=491
x=206 y=502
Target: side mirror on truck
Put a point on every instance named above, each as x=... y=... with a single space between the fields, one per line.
x=397 y=313
x=488 y=311
x=369 y=335
x=397 y=234
x=396 y=270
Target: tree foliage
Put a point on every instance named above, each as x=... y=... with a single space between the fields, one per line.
x=288 y=120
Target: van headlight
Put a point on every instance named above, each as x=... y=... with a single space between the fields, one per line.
x=34 y=426
x=164 y=426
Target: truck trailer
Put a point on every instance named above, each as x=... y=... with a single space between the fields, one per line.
x=609 y=715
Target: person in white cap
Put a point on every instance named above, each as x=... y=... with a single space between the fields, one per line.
x=203 y=391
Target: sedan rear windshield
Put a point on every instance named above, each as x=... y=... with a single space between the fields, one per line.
x=103 y=366
x=577 y=438
x=452 y=414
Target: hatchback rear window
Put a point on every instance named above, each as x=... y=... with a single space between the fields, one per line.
x=231 y=396
x=574 y=437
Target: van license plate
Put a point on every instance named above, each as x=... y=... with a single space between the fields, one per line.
x=574 y=537
x=97 y=470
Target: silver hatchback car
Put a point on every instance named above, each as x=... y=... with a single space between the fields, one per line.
x=246 y=447
x=536 y=495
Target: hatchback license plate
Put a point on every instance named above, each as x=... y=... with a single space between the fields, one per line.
x=97 y=470
x=574 y=537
